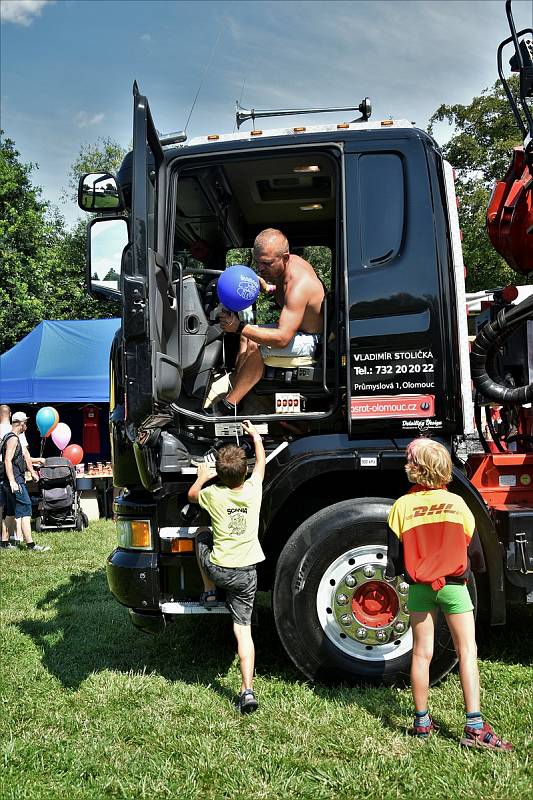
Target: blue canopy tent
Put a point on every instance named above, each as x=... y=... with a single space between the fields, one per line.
x=63 y=361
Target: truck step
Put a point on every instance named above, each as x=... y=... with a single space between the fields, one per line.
x=192 y=607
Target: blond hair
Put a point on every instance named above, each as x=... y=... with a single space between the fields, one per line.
x=428 y=463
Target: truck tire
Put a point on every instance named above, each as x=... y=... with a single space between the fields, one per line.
x=338 y=617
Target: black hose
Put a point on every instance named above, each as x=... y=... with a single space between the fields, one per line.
x=484 y=352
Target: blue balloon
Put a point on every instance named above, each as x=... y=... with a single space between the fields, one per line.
x=46 y=419
x=238 y=287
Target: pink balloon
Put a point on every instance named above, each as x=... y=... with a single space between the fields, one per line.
x=61 y=435
x=74 y=453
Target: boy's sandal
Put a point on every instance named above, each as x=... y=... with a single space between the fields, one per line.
x=424 y=731
x=207 y=598
x=484 y=737
x=246 y=702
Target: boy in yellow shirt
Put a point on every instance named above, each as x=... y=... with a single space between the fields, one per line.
x=228 y=557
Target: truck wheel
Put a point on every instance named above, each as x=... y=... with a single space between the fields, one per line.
x=338 y=616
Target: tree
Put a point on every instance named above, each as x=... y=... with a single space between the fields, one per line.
x=42 y=272
x=105 y=155
x=28 y=237
x=480 y=151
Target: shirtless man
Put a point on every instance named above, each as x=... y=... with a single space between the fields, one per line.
x=298 y=292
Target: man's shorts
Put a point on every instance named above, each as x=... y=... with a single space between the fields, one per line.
x=302 y=344
x=20 y=501
x=451 y=599
x=240 y=583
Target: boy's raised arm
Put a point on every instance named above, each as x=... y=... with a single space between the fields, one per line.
x=205 y=473
x=260 y=458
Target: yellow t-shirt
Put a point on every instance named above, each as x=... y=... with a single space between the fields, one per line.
x=235 y=520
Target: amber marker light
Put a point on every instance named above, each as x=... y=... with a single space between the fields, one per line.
x=312 y=207
x=182 y=546
x=299 y=130
x=140 y=533
x=386 y=123
x=343 y=125
x=256 y=133
x=213 y=137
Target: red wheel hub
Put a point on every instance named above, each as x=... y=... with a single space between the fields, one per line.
x=375 y=604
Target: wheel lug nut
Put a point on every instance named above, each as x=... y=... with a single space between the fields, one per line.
x=381 y=636
x=361 y=633
x=350 y=581
x=342 y=599
x=369 y=571
x=399 y=626
x=403 y=587
x=346 y=619
x=404 y=608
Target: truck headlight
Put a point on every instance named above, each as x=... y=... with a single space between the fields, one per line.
x=134 y=534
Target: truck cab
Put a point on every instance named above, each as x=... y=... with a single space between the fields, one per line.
x=371 y=205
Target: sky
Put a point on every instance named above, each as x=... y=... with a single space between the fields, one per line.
x=67 y=66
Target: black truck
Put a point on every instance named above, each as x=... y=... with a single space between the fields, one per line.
x=376 y=200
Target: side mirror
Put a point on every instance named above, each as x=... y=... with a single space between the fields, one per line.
x=99 y=191
x=105 y=245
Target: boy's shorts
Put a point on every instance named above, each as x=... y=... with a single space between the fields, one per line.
x=240 y=583
x=453 y=598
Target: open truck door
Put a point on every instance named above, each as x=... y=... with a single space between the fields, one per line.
x=150 y=316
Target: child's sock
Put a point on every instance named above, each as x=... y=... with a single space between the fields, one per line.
x=422 y=719
x=474 y=719
x=30 y=545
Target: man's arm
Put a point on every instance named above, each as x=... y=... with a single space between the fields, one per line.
x=260 y=458
x=28 y=460
x=205 y=473
x=290 y=320
x=11 y=446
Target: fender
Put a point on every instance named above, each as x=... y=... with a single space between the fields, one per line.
x=489 y=541
x=297 y=464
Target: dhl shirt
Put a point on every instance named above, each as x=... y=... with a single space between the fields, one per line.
x=433 y=530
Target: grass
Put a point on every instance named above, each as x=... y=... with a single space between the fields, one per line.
x=91 y=708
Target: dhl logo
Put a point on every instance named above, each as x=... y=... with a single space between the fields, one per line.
x=426 y=511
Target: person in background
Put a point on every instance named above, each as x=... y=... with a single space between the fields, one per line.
x=431 y=534
x=16 y=459
x=7 y=525
x=10 y=536
x=228 y=558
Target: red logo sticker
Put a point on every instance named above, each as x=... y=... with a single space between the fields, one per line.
x=404 y=406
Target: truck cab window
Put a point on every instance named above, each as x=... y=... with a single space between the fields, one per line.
x=381 y=203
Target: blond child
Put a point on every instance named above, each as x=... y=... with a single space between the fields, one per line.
x=431 y=533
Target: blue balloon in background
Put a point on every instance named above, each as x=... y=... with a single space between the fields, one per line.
x=238 y=287
x=46 y=419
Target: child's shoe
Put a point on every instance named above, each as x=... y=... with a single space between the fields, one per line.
x=246 y=702
x=425 y=731
x=484 y=737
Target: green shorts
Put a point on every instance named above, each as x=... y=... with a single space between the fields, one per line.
x=451 y=599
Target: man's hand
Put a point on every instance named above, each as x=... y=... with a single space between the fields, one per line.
x=229 y=322
x=205 y=472
x=35 y=475
x=269 y=288
x=250 y=429
x=13 y=485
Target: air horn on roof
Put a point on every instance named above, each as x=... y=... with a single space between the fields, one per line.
x=243 y=114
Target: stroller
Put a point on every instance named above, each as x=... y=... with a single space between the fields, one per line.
x=59 y=506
